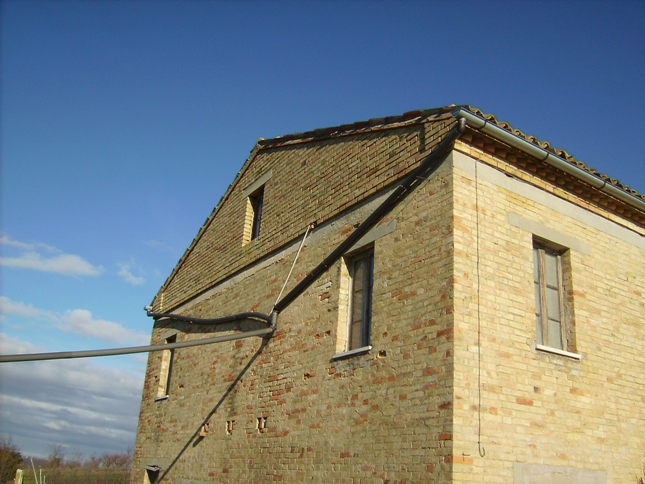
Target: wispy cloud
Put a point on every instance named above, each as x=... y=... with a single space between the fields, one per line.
x=66 y=264
x=81 y=322
x=90 y=407
x=6 y=240
x=7 y=306
x=54 y=261
x=158 y=245
x=77 y=321
x=126 y=273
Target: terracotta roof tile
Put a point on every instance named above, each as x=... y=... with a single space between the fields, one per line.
x=556 y=151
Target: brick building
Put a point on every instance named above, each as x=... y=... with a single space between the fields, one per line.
x=478 y=315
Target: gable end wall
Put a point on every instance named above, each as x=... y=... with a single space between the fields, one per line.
x=313 y=181
x=384 y=415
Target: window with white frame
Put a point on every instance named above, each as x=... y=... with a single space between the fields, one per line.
x=550 y=280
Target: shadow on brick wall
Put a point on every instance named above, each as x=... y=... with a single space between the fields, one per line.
x=196 y=438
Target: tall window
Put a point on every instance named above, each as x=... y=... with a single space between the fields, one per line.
x=550 y=314
x=361 y=270
x=166 y=368
x=256 y=200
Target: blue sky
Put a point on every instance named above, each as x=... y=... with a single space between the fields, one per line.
x=124 y=122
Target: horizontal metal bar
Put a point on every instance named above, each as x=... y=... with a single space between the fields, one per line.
x=64 y=355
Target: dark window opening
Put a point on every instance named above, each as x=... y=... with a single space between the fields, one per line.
x=257 y=200
x=172 y=339
x=166 y=368
x=361 y=270
x=152 y=475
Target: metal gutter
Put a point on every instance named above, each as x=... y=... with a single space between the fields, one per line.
x=480 y=124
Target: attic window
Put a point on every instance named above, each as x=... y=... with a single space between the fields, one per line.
x=254 y=195
x=256 y=200
x=151 y=475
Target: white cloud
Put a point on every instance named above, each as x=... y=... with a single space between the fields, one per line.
x=30 y=258
x=5 y=240
x=66 y=264
x=7 y=306
x=127 y=275
x=77 y=321
x=75 y=402
x=12 y=346
x=81 y=321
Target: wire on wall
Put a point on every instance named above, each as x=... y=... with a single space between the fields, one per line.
x=310 y=226
x=482 y=450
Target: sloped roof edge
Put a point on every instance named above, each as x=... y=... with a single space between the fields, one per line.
x=409 y=117
x=560 y=153
x=210 y=218
x=391 y=122
x=373 y=124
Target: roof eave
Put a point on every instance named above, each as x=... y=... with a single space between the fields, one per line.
x=494 y=131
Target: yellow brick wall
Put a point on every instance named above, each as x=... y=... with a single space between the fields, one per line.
x=540 y=408
x=456 y=270
x=386 y=415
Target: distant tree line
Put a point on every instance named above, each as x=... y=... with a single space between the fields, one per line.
x=62 y=468
x=10 y=459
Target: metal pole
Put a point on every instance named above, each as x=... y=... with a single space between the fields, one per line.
x=134 y=349
x=34 y=469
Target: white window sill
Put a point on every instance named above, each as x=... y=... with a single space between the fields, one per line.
x=348 y=354
x=159 y=399
x=556 y=351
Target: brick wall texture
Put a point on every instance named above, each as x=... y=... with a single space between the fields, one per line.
x=453 y=369
x=312 y=181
